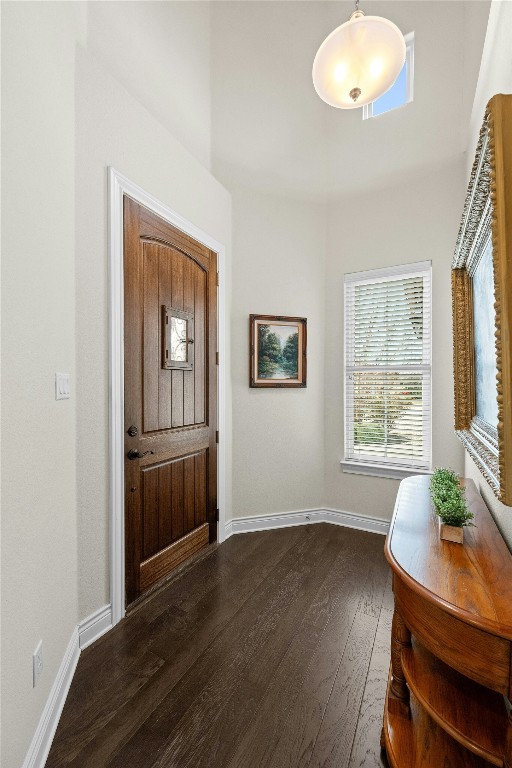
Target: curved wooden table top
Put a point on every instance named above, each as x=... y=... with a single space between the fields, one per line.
x=472 y=581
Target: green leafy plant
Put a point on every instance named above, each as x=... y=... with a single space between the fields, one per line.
x=448 y=498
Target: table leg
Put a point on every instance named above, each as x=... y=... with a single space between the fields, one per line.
x=398 y=700
x=507 y=761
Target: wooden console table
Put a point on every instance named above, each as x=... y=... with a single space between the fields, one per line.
x=450 y=680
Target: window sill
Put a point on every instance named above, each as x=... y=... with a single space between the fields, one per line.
x=381 y=470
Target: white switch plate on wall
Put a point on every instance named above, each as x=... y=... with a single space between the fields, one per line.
x=37 y=663
x=62 y=384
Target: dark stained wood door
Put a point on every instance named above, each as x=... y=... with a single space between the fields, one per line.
x=170 y=336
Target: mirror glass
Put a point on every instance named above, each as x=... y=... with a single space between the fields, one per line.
x=484 y=324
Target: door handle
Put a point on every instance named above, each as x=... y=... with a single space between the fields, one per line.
x=134 y=454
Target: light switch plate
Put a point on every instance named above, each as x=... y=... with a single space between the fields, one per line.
x=62 y=386
x=37 y=663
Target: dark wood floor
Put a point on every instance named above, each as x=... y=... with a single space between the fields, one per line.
x=272 y=650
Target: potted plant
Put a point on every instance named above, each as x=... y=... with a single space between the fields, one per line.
x=448 y=498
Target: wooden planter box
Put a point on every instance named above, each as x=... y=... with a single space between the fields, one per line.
x=451 y=532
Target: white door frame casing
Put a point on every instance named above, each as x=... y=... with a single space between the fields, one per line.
x=119 y=185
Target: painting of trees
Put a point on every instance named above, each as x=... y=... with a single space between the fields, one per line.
x=269 y=351
x=278 y=351
x=290 y=354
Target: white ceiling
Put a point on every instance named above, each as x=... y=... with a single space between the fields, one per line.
x=272 y=132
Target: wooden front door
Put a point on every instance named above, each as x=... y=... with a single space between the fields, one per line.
x=170 y=385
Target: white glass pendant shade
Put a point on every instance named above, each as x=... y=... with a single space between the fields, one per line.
x=359 y=61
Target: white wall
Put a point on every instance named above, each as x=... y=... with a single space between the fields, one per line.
x=278 y=243
x=39 y=543
x=65 y=118
x=114 y=129
x=278 y=269
x=160 y=52
x=495 y=77
x=273 y=133
x=412 y=222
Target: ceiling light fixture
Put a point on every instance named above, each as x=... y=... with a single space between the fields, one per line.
x=358 y=61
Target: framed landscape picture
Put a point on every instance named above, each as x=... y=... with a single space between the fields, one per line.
x=277 y=351
x=482 y=305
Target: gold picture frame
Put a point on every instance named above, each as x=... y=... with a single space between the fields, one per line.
x=482 y=266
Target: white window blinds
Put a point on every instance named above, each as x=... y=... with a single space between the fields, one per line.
x=388 y=366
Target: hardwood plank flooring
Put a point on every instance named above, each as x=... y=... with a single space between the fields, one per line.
x=271 y=651
x=366 y=746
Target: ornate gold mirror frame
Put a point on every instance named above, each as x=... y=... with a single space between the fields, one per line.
x=483 y=391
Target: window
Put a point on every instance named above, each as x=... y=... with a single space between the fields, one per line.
x=388 y=370
x=401 y=92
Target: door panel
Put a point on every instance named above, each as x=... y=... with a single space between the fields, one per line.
x=166 y=392
x=171 y=488
x=160 y=565
x=199 y=350
x=151 y=336
x=200 y=488
x=189 y=288
x=174 y=501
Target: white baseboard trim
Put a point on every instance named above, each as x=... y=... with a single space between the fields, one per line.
x=89 y=630
x=306 y=517
x=361 y=522
x=45 y=731
x=94 y=626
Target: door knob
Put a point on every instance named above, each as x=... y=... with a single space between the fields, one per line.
x=134 y=454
